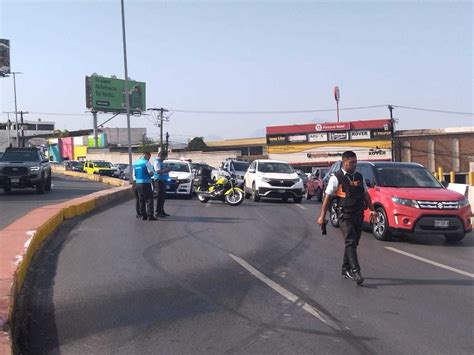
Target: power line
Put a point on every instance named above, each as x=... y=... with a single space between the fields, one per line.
x=434 y=110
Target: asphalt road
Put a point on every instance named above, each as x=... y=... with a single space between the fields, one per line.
x=21 y=201
x=252 y=279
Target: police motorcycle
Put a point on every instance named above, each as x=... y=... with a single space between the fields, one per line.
x=224 y=188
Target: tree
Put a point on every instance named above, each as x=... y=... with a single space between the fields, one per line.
x=197 y=143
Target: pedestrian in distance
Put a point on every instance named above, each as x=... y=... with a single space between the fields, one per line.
x=160 y=177
x=349 y=187
x=143 y=171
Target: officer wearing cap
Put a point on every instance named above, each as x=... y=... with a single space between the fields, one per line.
x=349 y=187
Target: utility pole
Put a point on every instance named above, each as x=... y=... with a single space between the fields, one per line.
x=167 y=142
x=96 y=138
x=22 y=129
x=16 y=108
x=392 y=130
x=161 y=118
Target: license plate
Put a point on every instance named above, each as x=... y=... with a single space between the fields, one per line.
x=14 y=181
x=440 y=223
x=282 y=191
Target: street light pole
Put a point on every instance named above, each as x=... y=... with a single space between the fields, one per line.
x=127 y=92
x=16 y=108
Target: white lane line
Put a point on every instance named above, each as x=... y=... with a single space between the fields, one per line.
x=302 y=207
x=465 y=273
x=282 y=291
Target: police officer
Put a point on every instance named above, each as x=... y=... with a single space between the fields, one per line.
x=160 y=177
x=143 y=171
x=349 y=187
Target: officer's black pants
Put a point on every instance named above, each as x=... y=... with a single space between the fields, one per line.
x=145 y=197
x=351 y=228
x=160 y=201
x=137 y=198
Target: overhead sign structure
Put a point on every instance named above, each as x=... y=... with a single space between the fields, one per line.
x=108 y=95
x=4 y=57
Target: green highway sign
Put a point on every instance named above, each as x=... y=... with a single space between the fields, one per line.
x=107 y=94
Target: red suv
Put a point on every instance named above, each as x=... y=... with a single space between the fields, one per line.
x=409 y=199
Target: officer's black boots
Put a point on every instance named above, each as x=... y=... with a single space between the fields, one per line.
x=358 y=277
x=348 y=274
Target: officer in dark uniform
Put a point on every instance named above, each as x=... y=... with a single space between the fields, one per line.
x=349 y=187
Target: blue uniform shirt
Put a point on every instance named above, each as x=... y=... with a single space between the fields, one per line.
x=141 y=169
x=159 y=165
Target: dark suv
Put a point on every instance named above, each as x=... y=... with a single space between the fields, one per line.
x=23 y=168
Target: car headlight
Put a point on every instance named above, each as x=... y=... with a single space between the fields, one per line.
x=405 y=202
x=463 y=203
x=266 y=179
x=34 y=168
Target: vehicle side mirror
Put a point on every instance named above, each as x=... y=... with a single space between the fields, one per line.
x=445 y=184
x=251 y=171
x=368 y=183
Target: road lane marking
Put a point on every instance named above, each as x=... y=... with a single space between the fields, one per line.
x=465 y=273
x=282 y=291
x=302 y=207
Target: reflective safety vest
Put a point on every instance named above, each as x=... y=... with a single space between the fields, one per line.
x=350 y=192
x=142 y=176
x=161 y=165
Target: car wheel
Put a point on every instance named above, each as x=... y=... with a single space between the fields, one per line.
x=319 y=195
x=41 y=187
x=297 y=199
x=203 y=199
x=48 y=183
x=454 y=237
x=380 y=228
x=307 y=195
x=333 y=218
x=255 y=196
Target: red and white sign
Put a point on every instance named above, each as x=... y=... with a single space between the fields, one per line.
x=324 y=127
x=337 y=94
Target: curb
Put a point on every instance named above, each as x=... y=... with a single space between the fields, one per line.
x=20 y=241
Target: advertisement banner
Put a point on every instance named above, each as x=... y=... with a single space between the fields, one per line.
x=108 y=94
x=324 y=127
x=318 y=137
x=381 y=134
x=298 y=138
x=276 y=139
x=4 y=57
x=359 y=135
x=338 y=136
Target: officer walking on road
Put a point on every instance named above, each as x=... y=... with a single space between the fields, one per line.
x=160 y=177
x=351 y=190
x=143 y=171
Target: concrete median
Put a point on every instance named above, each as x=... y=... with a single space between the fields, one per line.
x=21 y=240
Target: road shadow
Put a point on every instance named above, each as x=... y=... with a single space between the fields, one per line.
x=375 y=282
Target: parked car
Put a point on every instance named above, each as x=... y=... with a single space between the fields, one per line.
x=25 y=168
x=315 y=186
x=195 y=167
x=74 y=165
x=409 y=200
x=99 y=167
x=273 y=179
x=180 y=177
x=303 y=177
x=119 y=170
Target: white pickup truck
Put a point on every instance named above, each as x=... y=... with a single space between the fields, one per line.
x=232 y=166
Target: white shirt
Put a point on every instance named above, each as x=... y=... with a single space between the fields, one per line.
x=333 y=184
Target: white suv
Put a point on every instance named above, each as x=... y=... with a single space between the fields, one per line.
x=180 y=177
x=273 y=179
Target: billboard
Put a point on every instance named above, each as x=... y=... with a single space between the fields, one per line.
x=298 y=138
x=358 y=135
x=339 y=136
x=318 y=137
x=107 y=94
x=4 y=57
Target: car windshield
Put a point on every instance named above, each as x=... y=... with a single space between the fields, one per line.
x=180 y=167
x=406 y=177
x=275 y=168
x=20 y=156
x=76 y=163
x=102 y=164
x=121 y=166
x=240 y=165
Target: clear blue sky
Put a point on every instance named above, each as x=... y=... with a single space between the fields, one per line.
x=245 y=56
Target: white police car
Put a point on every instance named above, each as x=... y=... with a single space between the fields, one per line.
x=180 y=177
